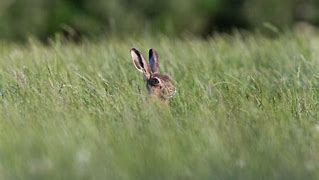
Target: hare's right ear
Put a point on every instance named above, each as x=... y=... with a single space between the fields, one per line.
x=140 y=63
x=154 y=61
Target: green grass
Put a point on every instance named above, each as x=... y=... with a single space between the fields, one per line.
x=247 y=107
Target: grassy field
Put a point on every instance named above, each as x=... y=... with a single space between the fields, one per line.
x=247 y=107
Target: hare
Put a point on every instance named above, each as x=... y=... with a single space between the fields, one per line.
x=158 y=85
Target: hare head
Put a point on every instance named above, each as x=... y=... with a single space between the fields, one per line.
x=158 y=85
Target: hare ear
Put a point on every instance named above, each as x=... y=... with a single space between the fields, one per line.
x=140 y=62
x=153 y=58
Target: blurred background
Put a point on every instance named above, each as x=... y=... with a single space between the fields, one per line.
x=74 y=19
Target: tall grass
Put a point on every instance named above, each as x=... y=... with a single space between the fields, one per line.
x=246 y=108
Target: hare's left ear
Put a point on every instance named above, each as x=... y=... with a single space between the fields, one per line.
x=154 y=61
x=140 y=63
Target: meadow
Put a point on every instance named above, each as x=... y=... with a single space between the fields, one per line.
x=246 y=107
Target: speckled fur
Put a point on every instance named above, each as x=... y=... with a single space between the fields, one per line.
x=158 y=85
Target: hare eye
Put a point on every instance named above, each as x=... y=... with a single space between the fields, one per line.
x=154 y=81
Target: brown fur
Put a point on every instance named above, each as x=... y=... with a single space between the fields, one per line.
x=158 y=85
